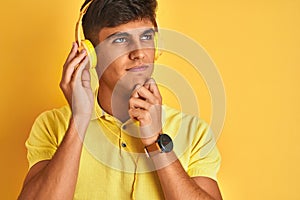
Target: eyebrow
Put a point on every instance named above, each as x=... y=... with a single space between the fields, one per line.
x=118 y=34
x=151 y=30
x=126 y=34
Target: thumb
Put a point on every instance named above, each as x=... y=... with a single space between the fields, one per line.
x=86 y=78
x=135 y=91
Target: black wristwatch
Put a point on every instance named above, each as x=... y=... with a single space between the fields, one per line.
x=163 y=144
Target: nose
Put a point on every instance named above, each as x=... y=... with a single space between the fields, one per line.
x=137 y=52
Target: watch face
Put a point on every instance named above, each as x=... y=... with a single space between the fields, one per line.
x=165 y=143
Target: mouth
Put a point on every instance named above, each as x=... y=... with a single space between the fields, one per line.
x=138 y=68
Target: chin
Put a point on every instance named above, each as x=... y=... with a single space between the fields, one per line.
x=140 y=80
x=127 y=83
x=137 y=81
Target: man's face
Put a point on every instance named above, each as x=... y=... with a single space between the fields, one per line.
x=126 y=55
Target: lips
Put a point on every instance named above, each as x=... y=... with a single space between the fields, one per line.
x=138 y=68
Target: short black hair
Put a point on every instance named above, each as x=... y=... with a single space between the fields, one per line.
x=112 y=13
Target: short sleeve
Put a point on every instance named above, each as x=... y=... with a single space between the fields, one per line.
x=205 y=158
x=45 y=136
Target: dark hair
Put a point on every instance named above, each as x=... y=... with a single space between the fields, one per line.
x=111 y=13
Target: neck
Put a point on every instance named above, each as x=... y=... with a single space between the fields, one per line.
x=114 y=102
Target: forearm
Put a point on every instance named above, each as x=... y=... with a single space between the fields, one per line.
x=175 y=182
x=57 y=180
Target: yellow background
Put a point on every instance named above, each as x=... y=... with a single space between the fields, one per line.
x=255 y=45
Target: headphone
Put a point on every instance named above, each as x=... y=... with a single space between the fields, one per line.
x=88 y=46
x=83 y=43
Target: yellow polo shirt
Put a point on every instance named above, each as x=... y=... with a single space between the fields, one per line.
x=113 y=164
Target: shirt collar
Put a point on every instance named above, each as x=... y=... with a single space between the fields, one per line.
x=98 y=112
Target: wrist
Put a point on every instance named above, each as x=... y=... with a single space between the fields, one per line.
x=81 y=119
x=80 y=125
x=163 y=160
x=150 y=140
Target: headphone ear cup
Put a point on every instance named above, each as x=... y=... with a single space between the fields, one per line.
x=91 y=53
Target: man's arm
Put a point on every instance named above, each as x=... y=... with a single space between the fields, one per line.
x=145 y=106
x=177 y=184
x=56 y=178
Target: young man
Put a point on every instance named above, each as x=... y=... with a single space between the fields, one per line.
x=115 y=140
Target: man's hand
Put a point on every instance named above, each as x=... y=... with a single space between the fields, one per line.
x=76 y=86
x=145 y=106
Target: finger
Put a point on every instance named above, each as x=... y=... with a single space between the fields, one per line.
x=78 y=72
x=72 y=53
x=147 y=95
x=76 y=60
x=138 y=114
x=147 y=83
x=138 y=103
x=134 y=93
x=131 y=114
x=72 y=66
x=153 y=87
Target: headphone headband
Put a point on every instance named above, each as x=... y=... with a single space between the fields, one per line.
x=79 y=22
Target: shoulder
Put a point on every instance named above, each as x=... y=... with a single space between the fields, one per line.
x=52 y=123
x=194 y=143
x=57 y=115
x=178 y=120
x=186 y=130
x=46 y=134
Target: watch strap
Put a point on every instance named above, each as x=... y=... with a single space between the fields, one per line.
x=152 y=149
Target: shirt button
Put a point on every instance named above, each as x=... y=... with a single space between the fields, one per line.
x=123 y=144
x=124 y=127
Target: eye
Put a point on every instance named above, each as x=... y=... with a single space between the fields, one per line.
x=120 y=40
x=147 y=37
